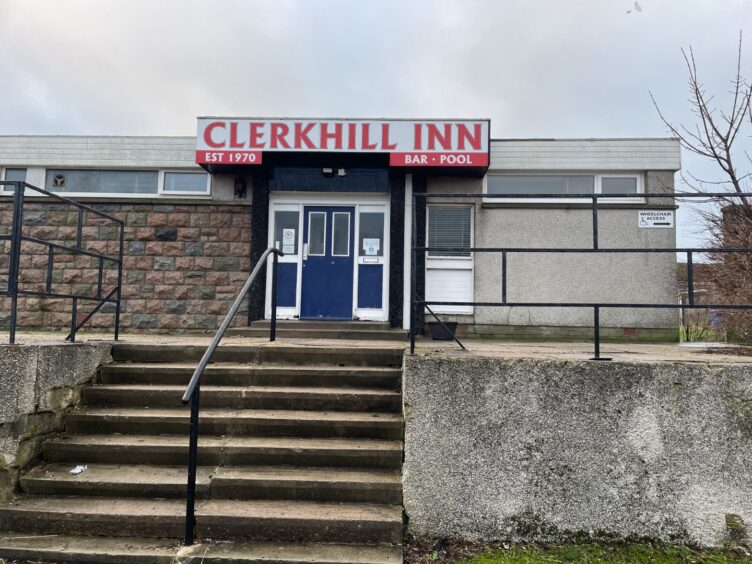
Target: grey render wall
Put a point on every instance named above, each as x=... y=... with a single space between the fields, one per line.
x=554 y=450
x=38 y=384
x=648 y=278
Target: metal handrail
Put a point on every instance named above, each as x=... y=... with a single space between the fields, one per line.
x=192 y=391
x=17 y=238
x=597 y=202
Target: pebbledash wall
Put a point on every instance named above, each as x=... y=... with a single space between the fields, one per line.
x=554 y=450
x=187 y=254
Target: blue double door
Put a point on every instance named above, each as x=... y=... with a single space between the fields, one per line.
x=328 y=262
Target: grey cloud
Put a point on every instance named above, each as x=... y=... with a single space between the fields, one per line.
x=548 y=68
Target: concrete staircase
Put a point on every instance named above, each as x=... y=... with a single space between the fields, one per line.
x=353 y=330
x=299 y=461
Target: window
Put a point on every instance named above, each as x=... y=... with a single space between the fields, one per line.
x=450 y=227
x=541 y=184
x=341 y=234
x=102 y=181
x=371 y=237
x=13 y=175
x=619 y=185
x=564 y=184
x=286 y=231
x=185 y=183
x=316 y=234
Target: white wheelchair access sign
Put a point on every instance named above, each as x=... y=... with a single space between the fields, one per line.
x=655 y=219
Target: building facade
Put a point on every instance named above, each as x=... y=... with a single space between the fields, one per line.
x=337 y=197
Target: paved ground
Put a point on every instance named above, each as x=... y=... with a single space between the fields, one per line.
x=715 y=353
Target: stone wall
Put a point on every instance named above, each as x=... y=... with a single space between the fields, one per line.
x=554 y=450
x=39 y=384
x=184 y=264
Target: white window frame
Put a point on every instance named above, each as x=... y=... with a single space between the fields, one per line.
x=160 y=193
x=103 y=194
x=453 y=263
x=3 y=190
x=597 y=187
x=639 y=198
x=349 y=226
x=307 y=252
x=161 y=182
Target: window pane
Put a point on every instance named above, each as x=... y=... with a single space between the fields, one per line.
x=316 y=233
x=102 y=181
x=286 y=231
x=14 y=175
x=371 y=228
x=185 y=182
x=340 y=234
x=540 y=184
x=449 y=227
x=623 y=185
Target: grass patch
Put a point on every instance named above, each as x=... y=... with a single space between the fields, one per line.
x=424 y=551
x=607 y=554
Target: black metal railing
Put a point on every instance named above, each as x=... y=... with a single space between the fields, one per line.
x=17 y=239
x=596 y=306
x=192 y=391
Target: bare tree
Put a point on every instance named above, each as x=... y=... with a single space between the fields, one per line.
x=716 y=135
x=716 y=131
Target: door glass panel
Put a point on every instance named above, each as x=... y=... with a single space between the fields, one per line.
x=286 y=231
x=371 y=236
x=316 y=233
x=340 y=234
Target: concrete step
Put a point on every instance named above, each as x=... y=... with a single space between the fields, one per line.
x=115 y=480
x=247 y=397
x=215 y=519
x=258 y=422
x=277 y=353
x=179 y=373
x=293 y=332
x=242 y=482
x=125 y=550
x=172 y=450
x=323 y=324
x=309 y=484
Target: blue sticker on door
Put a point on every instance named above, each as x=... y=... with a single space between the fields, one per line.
x=327 y=284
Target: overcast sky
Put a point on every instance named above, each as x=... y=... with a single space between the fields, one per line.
x=542 y=68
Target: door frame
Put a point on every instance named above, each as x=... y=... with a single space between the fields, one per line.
x=292 y=200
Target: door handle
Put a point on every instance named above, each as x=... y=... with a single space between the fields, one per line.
x=305 y=251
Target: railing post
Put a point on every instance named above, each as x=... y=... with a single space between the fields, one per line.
x=503 y=277
x=273 y=324
x=597 y=334
x=120 y=281
x=74 y=307
x=190 y=503
x=690 y=279
x=15 y=256
x=413 y=273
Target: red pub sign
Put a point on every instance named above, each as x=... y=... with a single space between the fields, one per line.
x=434 y=143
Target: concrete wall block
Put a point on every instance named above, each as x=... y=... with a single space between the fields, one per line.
x=66 y=366
x=18 y=373
x=554 y=451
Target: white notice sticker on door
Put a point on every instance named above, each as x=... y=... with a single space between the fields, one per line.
x=288 y=241
x=655 y=219
x=371 y=246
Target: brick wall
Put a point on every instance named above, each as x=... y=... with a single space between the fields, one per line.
x=183 y=266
